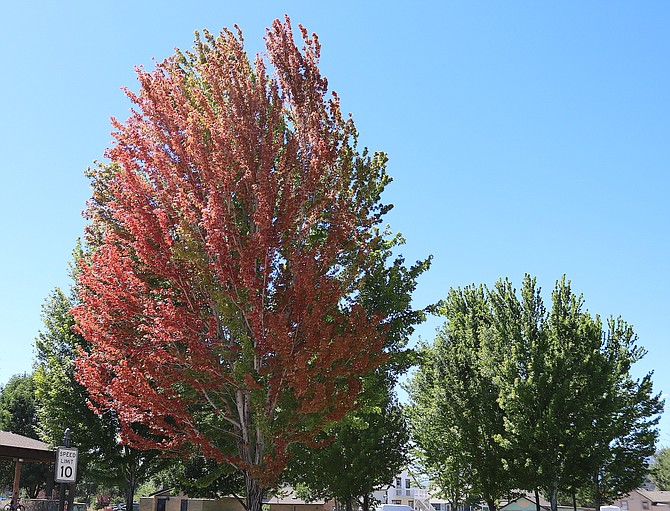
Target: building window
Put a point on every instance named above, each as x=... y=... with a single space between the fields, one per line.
x=398 y=482
x=396 y=502
x=407 y=483
x=624 y=505
x=645 y=504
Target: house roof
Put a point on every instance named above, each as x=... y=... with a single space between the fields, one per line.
x=523 y=503
x=655 y=496
x=13 y=446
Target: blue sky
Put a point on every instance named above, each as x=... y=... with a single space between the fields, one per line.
x=522 y=137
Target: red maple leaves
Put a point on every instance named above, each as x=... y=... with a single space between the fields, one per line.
x=233 y=232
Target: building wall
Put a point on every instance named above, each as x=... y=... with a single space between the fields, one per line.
x=403 y=490
x=295 y=507
x=183 y=503
x=635 y=501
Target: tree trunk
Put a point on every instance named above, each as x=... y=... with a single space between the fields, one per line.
x=349 y=506
x=574 y=500
x=254 y=493
x=131 y=477
x=366 y=502
x=596 y=491
x=491 y=503
x=554 y=496
x=537 y=500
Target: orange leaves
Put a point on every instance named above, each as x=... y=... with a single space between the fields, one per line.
x=224 y=282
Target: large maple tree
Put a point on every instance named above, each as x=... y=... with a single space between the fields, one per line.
x=230 y=236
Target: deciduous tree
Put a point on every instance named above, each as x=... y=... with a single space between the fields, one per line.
x=462 y=400
x=231 y=235
x=438 y=443
x=18 y=414
x=626 y=423
x=660 y=469
x=568 y=414
x=63 y=403
x=573 y=412
x=367 y=449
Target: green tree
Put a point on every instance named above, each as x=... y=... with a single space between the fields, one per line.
x=370 y=446
x=465 y=397
x=17 y=406
x=660 y=469
x=366 y=451
x=437 y=441
x=545 y=388
x=201 y=477
x=573 y=417
x=63 y=403
x=573 y=413
x=18 y=414
x=626 y=425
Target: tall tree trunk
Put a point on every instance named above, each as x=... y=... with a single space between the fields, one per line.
x=254 y=493
x=554 y=496
x=491 y=503
x=366 y=502
x=131 y=480
x=596 y=491
x=349 y=506
x=537 y=499
x=574 y=500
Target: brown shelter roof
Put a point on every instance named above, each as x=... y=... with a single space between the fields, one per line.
x=13 y=446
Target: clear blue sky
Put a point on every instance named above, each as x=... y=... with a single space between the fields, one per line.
x=522 y=136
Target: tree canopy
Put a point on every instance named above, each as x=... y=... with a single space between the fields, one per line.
x=63 y=403
x=660 y=469
x=231 y=236
x=18 y=414
x=533 y=399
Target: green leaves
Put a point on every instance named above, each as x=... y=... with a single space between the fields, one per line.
x=532 y=398
x=660 y=469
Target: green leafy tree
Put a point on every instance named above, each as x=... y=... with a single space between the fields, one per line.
x=545 y=384
x=17 y=406
x=573 y=413
x=437 y=441
x=63 y=403
x=370 y=446
x=573 y=417
x=465 y=397
x=660 y=469
x=626 y=426
x=200 y=477
x=18 y=414
x=362 y=453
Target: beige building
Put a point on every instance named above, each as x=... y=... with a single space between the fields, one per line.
x=164 y=501
x=644 y=500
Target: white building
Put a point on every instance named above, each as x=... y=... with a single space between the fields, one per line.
x=407 y=491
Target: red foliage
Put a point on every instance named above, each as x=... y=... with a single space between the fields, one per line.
x=221 y=302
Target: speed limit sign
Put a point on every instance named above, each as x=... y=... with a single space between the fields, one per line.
x=66 y=465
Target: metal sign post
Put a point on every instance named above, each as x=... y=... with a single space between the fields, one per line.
x=66 y=467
